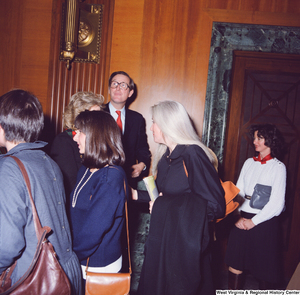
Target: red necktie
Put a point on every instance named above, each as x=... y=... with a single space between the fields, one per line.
x=119 y=121
x=264 y=160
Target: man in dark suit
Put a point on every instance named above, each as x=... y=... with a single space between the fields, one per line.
x=133 y=126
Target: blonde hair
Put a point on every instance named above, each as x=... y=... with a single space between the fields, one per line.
x=173 y=120
x=80 y=102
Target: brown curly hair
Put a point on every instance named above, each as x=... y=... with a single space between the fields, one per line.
x=273 y=138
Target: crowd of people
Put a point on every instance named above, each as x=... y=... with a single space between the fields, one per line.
x=94 y=168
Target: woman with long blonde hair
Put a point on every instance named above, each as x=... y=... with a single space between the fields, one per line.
x=190 y=195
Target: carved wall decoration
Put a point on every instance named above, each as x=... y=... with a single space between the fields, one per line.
x=69 y=31
x=81 y=32
x=84 y=75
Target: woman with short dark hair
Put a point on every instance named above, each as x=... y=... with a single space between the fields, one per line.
x=103 y=144
x=253 y=243
x=21 y=116
x=21 y=121
x=98 y=199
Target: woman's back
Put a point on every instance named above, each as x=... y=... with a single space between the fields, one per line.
x=16 y=214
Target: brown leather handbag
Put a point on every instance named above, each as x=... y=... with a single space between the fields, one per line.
x=109 y=283
x=44 y=275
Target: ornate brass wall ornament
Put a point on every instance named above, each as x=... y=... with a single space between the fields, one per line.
x=68 y=44
x=87 y=28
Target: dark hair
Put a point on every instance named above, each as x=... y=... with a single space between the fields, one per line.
x=103 y=143
x=273 y=138
x=131 y=83
x=21 y=116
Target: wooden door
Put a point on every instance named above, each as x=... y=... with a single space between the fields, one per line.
x=266 y=89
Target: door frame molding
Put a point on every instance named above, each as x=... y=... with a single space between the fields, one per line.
x=215 y=117
x=244 y=61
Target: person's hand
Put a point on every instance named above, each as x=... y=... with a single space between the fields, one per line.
x=137 y=169
x=240 y=224
x=151 y=206
x=248 y=224
x=134 y=194
x=152 y=202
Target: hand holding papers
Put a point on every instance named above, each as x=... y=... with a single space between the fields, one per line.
x=151 y=187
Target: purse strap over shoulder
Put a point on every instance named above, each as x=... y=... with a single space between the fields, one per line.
x=37 y=224
x=127 y=230
x=40 y=231
x=185 y=170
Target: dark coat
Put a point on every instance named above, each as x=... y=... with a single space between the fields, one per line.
x=202 y=179
x=64 y=151
x=135 y=144
x=174 y=248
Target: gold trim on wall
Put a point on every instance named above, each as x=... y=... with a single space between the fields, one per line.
x=87 y=29
x=69 y=31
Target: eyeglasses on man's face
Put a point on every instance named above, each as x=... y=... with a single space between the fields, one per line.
x=115 y=84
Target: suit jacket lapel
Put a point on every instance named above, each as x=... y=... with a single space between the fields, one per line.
x=106 y=108
x=127 y=122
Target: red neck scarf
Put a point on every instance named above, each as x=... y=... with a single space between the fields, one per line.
x=264 y=160
x=71 y=132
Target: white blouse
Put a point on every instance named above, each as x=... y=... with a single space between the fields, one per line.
x=273 y=173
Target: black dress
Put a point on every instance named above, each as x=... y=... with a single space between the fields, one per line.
x=175 y=252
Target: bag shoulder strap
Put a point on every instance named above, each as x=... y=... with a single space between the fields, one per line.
x=40 y=231
x=186 y=172
x=127 y=230
x=37 y=224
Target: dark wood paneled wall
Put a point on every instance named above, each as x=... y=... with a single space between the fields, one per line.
x=63 y=83
x=25 y=46
x=163 y=45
